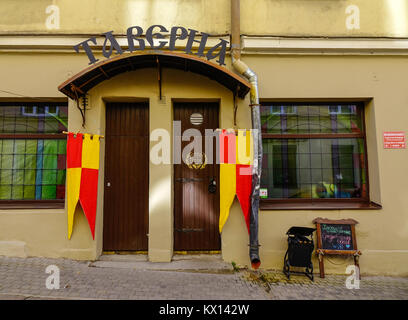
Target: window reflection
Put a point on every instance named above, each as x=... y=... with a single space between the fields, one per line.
x=297 y=164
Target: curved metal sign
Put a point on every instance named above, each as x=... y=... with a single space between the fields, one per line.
x=135 y=34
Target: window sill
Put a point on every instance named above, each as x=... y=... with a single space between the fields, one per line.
x=317 y=205
x=32 y=204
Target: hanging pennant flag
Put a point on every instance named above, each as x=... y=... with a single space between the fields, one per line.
x=236 y=156
x=82 y=177
x=89 y=179
x=227 y=174
x=74 y=164
x=244 y=172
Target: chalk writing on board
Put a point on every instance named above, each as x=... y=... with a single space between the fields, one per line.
x=336 y=237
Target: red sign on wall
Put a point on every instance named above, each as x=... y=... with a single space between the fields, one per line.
x=394 y=140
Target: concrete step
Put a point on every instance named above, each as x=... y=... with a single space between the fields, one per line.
x=199 y=262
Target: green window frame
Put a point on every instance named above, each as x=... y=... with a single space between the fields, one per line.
x=32 y=154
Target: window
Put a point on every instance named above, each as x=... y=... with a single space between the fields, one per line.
x=33 y=154
x=314 y=155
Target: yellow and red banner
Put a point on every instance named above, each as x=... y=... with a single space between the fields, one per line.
x=236 y=156
x=82 y=177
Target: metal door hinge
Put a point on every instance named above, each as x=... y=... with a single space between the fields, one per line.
x=189 y=230
x=183 y=180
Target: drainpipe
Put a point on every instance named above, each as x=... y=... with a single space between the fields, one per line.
x=244 y=70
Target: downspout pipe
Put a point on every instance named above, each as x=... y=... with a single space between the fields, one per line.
x=244 y=70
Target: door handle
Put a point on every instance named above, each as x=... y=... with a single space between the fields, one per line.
x=212 y=187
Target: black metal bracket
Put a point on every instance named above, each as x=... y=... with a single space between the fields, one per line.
x=235 y=93
x=159 y=76
x=79 y=92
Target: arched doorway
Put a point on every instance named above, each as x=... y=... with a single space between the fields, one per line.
x=158 y=209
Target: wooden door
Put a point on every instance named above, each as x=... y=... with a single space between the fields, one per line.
x=126 y=200
x=196 y=209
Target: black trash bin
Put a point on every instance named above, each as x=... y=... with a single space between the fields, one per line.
x=299 y=253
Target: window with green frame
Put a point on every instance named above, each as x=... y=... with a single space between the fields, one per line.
x=313 y=152
x=33 y=152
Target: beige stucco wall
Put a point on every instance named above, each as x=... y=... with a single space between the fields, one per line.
x=140 y=84
x=260 y=17
x=40 y=232
x=382 y=235
x=324 y=18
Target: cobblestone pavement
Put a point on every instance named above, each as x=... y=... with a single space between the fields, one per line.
x=332 y=287
x=21 y=278
x=25 y=279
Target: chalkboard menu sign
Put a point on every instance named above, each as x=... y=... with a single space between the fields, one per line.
x=336 y=236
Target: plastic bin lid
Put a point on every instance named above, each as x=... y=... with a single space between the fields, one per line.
x=304 y=231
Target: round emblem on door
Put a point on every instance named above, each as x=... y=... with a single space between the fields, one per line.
x=196 y=119
x=196 y=160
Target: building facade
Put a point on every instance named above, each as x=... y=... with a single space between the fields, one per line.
x=332 y=82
